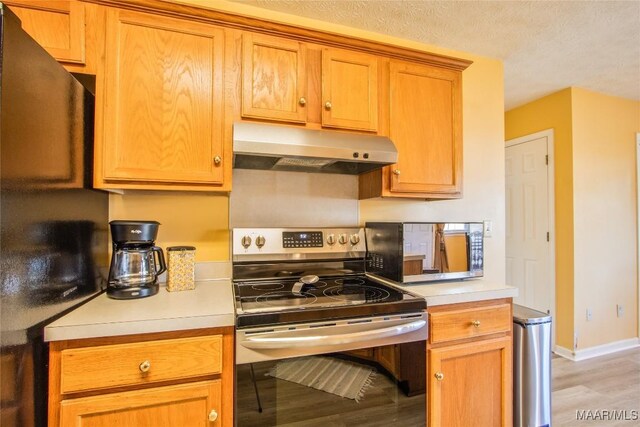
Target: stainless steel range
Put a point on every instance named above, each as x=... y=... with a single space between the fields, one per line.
x=305 y=291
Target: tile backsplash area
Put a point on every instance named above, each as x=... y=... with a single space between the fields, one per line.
x=292 y=199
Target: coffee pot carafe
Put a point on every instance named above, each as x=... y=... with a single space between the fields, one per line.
x=136 y=262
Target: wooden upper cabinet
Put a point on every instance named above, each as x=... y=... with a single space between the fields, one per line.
x=58 y=26
x=349 y=90
x=273 y=79
x=425 y=124
x=162 y=103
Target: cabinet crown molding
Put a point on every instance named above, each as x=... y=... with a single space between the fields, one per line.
x=287 y=30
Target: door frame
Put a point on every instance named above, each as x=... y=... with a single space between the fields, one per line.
x=638 y=227
x=551 y=212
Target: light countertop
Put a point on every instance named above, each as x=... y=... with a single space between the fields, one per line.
x=209 y=305
x=462 y=291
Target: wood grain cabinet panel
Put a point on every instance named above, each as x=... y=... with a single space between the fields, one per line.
x=178 y=378
x=469 y=364
x=162 y=105
x=349 y=90
x=139 y=363
x=425 y=124
x=426 y=127
x=469 y=323
x=195 y=404
x=58 y=26
x=470 y=384
x=273 y=78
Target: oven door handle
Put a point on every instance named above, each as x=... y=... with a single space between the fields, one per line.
x=266 y=342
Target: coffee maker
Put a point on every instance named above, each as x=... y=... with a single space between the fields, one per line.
x=136 y=262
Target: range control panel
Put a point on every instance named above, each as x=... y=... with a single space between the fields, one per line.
x=302 y=239
x=298 y=242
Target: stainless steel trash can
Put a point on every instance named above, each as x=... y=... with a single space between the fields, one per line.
x=531 y=367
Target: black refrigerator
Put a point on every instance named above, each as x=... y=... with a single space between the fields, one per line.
x=53 y=226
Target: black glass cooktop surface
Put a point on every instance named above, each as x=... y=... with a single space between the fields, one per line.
x=278 y=301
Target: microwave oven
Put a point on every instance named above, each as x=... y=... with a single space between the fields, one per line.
x=414 y=252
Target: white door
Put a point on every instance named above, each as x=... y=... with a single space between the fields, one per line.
x=529 y=261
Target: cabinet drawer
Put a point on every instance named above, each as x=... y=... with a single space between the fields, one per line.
x=468 y=323
x=139 y=363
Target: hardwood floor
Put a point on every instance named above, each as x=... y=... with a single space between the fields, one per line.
x=607 y=383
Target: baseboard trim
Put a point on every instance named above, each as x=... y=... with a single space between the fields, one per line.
x=599 y=350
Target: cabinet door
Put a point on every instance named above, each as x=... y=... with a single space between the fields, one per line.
x=58 y=26
x=426 y=127
x=196 y=404
x=470 y=384
x=273 y=79
x=387 y=356
x=349 y=90
x=162 y=106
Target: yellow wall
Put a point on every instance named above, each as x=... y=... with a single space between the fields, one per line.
x=595 y=170
x=192 y=219
x=554 y=112
x=604 y=199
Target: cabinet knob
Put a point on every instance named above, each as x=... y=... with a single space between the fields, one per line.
x=213 y=415
x=327 y=105
x=476 y=323
x=217 y=160
x=303 y=101
x=145 y=366
x=439 y=376
x=396 y=171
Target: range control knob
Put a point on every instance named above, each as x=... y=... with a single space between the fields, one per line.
x=246 y=241
x=342 y=239
x=331 y=239
x=260 y=241
x=355 y=239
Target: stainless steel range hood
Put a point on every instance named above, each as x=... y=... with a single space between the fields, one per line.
x=286 y=148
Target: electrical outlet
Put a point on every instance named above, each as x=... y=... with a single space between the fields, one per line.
x=488 y=228
x=620 y=310
x=589 y=314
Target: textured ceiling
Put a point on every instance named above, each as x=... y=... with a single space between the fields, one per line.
x=545 y=45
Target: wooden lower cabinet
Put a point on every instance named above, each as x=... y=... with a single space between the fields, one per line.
x=470 y=380
x=182 y=378
x=196 y=404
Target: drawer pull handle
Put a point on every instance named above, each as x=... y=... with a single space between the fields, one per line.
x=476 y=323
x=439 y=376
x=145 y=366
x=213 y=415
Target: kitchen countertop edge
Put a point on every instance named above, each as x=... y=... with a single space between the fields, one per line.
x=210 y=305
x=460 y=292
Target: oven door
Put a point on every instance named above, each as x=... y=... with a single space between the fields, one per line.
x=354 y=372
